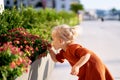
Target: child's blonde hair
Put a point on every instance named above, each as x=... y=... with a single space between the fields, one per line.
x=64 y=32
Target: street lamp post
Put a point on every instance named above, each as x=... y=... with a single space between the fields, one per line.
x=44 y=4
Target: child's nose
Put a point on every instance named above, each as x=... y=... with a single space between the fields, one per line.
x=52 y=43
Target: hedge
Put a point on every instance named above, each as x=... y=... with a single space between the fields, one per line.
x=38 y=22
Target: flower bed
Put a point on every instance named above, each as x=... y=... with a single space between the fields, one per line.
x=33 y=45
x=17 y=49
x=13 y=62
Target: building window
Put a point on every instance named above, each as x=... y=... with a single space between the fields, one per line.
x=8 y=2
x=53 y=2
x=39 y=4
x=15 y=2
x=24 y=4
x=63 y=6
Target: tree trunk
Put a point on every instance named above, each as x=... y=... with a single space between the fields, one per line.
x=44 y=4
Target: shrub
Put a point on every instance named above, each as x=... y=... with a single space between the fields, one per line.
x=12 y=62
x=38 y=22
x=25 y=31
x=33 y=45
x=76 y=7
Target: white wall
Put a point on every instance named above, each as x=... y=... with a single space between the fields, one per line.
x=39 y=70
x=1 y=6
x=59 y=4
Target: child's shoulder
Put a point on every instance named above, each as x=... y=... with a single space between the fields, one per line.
x=73 y=47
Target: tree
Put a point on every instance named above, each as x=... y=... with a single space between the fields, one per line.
x=114 y=11
x=75 y=7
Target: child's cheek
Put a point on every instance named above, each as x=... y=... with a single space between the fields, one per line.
x=53 y=44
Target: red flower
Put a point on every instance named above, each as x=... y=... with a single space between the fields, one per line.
x=25 y=42
x=19 y=61
x=36 y=49
x=12 y=65
x=17 y=42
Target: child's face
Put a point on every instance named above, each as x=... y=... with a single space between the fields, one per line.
x=56 y=42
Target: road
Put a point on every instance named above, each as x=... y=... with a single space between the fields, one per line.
x=101 y=37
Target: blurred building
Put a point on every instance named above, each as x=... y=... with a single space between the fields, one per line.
x=57 y=4
x=108 y=14
x=89 y=14
x=101 y=14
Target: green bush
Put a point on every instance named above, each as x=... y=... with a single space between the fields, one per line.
x=76 y=7
x=9 y=20
x=38 y=22
x=32 y=44
x=13 y=62
x=22 y=29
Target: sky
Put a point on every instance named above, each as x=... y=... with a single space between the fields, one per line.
x=101 y=4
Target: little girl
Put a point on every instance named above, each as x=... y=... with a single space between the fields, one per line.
x=85 y=63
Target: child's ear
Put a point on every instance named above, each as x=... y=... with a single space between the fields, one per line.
x=61 y=41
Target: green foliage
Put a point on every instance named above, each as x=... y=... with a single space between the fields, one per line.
x=38 y=22
x=22 y=29
x=9 y=20
x=12 y=62
x=76 y=7
x=28 y=43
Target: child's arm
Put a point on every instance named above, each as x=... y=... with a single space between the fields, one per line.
x=80 y=63
x=52 y=54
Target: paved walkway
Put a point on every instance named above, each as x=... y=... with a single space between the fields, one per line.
x=101 y=37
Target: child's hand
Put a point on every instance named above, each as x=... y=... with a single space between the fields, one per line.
x=42 y=55
x=49 y=47
x=75 y=70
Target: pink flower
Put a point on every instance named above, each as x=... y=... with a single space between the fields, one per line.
x=14 y=50
x=19 y=61
x=21 y=46
x=25 y=42
x=1 y=49
x=12 y=65
x=17 y=42
x=27 y=70
x=20 y=53
x=36 y=49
